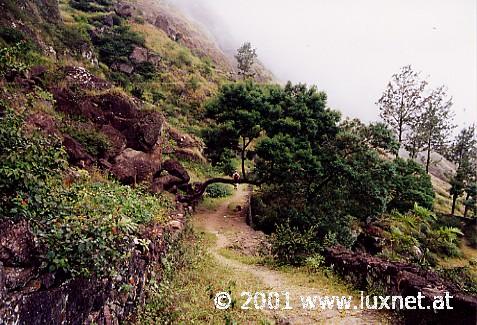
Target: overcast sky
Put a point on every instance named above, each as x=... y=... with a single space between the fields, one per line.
x=350 y=48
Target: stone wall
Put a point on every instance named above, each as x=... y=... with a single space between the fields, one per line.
x=29 y=297
x=400 y=279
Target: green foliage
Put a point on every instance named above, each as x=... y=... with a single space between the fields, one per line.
x=74 y=37
x=462 y=277
x=27 y=162
x=91 y=6
x=85 y=229
x=246 y=56
x=94 y=233
x=292 y=246
x=421 y=230
x=117 y=44
x=411 y=185
x=182 y=59
x=14 y=59
x=10 y=36
x=218 y=190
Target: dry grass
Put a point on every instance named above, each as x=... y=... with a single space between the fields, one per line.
x=197 y=278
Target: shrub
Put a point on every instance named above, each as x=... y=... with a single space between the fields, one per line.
x=291 y=246
x=74 y=38
x=147 y=70
x=11 y=35
x=118 y=44
x=14 y=59
x=218 y=190
x=462 y=277
x=183 y=58
x=93 y=235
x=26 y=165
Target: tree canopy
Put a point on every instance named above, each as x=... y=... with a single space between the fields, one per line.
x=312 y=167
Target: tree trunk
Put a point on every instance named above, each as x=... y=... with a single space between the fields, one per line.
x=243 y=159
x=428 y=155
x=454 y=200
x=466 y=208
x=399 y=140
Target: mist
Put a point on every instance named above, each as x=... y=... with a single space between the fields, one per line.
x=351 y=48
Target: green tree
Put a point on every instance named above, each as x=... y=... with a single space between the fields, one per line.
x=246 y=56
x=462 y=154
x=238 y=111
x=402 y=100
x=470 y=202
x=435 y=122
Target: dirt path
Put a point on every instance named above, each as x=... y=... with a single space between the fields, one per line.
x=231 y=229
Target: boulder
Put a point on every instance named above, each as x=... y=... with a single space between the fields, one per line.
x=77 y=155
x=43 y=122
x=80 y=77
x=183 y=140
x=165 y=183
x=133 y=167
x=17 y=245
x=174 y=168
x=149 y=130
x=153 y=58
x=124 y=10
x=17 y=277
x=124 y=67
x=139 y=55
x=117 y=141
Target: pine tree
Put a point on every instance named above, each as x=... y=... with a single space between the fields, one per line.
x=246 y=56
x=435 y=122
x=462 y=154
x=402 y=101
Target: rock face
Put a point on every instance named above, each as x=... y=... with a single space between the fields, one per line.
x=29 y=298
x=404 y=280
x=17 y=246
x=116 y=116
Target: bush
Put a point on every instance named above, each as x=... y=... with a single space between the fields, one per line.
x=14 y=60
x=74 y=38
x=11 y=35
x=218 y=190
x=118 y=44
x=94 y=233
x=147 y=70
x=26 y=165
x=462 y=277
x=291 y=246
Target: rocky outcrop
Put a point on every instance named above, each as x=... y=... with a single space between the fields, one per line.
x=400 y=279
x=141 y=55
x=17 y=246
x=119 y=117
x=31 y=298
x=132 y=167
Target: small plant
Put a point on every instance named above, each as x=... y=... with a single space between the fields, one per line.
x=218 y=190
x=291 y=246
x=315 y=262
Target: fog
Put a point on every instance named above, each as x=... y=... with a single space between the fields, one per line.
x=351 y=48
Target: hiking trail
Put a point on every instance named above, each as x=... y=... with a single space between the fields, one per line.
x=232 y=231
